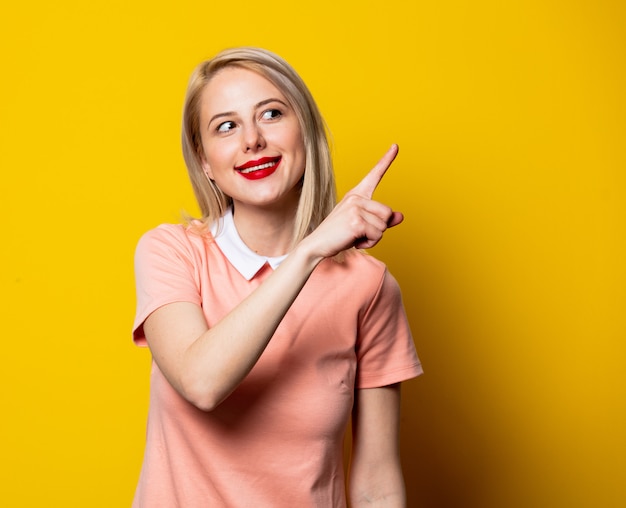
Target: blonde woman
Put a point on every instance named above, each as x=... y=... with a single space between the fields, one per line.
x=268 y=326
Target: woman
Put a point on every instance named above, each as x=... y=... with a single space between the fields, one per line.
x=267 y=329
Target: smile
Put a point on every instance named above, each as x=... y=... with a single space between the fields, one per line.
x=254 y=170
x=257 y=168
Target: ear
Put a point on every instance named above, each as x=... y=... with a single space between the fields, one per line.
x=207 y=169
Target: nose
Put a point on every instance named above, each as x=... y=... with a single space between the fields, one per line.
x=253 y=139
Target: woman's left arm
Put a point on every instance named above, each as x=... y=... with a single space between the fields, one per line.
x=375 y=472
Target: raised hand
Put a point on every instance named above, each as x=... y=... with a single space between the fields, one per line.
x=357 y=220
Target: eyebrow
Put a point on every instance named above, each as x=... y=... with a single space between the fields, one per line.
x=256 y=106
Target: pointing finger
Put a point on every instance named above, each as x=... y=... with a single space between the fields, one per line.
x=367 y=186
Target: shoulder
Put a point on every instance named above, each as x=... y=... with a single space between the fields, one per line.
x=364 y=261
x=364 y=276
x=173 y=238
x=355 y=262
x=173 y=233
x=361 y=265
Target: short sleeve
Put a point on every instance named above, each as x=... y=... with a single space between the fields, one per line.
x=165 y=273
x=385 y=350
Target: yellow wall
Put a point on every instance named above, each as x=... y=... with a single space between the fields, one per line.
x=511 y=118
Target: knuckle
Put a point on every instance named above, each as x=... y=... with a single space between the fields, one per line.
x=352 y=199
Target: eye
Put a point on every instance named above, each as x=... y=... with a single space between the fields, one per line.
x=271 y=114
x=225 y=126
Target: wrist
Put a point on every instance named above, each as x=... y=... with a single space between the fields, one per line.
x=306 y=252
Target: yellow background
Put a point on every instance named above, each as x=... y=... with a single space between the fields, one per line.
x=511 y=118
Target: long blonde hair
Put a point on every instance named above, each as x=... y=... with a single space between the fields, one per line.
x=318 y=194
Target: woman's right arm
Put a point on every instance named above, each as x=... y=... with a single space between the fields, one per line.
x=206 y=364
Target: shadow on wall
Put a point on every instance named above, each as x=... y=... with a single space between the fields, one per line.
x=450 y=457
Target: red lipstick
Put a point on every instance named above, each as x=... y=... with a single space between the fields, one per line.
x=260 y=168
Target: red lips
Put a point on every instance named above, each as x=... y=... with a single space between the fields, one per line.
x=260 y=168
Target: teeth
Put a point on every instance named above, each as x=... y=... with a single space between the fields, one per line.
x=257 y=168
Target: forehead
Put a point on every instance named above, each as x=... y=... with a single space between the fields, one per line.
x=235 y=89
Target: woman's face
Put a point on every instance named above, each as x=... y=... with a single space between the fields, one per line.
x=251 y=139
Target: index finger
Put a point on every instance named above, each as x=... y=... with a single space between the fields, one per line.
x=367 y=186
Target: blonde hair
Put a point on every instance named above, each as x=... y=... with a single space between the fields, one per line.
x=318 y=195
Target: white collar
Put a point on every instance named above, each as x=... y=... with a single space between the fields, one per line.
x=245 y=260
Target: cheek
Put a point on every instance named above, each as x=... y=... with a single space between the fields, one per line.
x=217 y=155
x=295 y=142
x=301 y=150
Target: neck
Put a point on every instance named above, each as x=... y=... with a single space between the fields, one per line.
x=268 y=232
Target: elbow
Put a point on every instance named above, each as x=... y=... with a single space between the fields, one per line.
x=204 y=397
x=203 y=403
